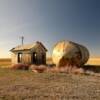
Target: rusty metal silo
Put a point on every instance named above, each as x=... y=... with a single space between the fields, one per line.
x=69 y=53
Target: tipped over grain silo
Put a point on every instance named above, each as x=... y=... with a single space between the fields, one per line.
x=66 y=53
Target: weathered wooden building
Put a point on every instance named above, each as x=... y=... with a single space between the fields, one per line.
x=34 y=53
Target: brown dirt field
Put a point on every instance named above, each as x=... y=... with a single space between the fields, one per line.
x=26 y=85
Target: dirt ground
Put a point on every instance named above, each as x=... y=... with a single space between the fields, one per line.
x=26 y=85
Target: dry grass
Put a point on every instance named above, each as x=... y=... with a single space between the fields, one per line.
x=5 y=62
x=49 y=60
x=91 y=61
x=26 y=85
x=94 y=61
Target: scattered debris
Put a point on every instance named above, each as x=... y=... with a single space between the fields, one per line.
x=38 y=69
x=20 y=66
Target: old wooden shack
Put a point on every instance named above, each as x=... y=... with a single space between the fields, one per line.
x=34 y=53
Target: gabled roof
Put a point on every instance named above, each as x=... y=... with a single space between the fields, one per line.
x=27 y=47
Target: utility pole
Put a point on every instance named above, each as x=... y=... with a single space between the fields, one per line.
x=22 y=40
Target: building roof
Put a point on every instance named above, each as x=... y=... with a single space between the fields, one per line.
x=28 y=47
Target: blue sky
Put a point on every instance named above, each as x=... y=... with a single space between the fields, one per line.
x=49 y=21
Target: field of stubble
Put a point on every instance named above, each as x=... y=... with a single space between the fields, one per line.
x=26 y=85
